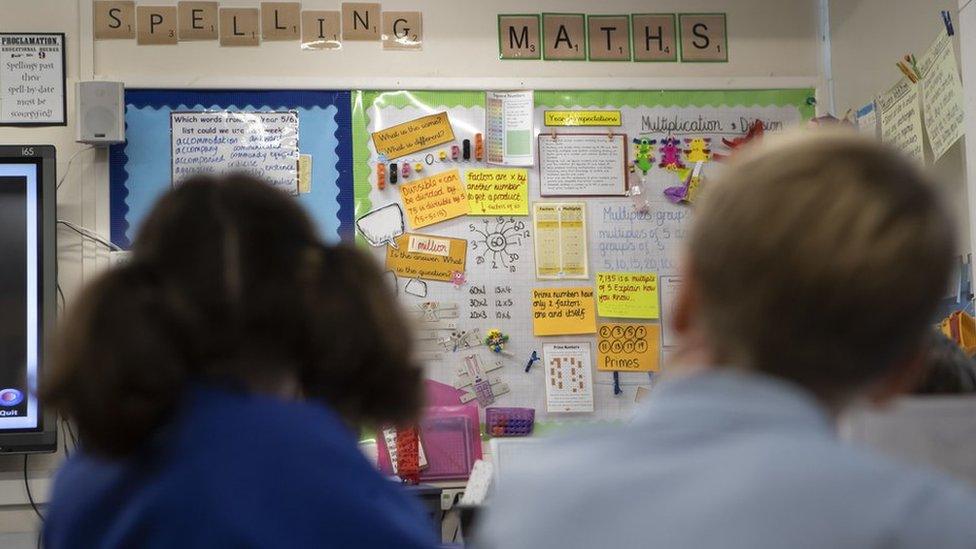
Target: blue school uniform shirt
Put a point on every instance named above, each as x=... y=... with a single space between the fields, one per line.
x=236 y=470
x=724 y=459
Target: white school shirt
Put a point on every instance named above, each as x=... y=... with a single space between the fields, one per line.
x=724 y=459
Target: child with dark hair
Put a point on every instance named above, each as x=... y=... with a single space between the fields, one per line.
x=948 y=370
x=218 y=381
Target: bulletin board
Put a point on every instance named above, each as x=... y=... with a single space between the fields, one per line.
x=498 y=253
x=139 y=168
x=500 y=266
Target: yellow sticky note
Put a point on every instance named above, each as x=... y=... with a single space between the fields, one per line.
x=304 y=173
x=416 y=135
x=498 y=191
x=628 y=347
x=434 y=199
x=563 y=311
x=627 y=295
x=582 y=118
x=426 y=256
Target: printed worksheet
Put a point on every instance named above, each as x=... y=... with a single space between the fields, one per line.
x=569 y=381
x=560 y=240
x=508 y=127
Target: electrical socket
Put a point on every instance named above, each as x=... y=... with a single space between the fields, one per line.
x=450 y=496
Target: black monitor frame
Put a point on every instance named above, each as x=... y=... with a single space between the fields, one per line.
x=43 y=438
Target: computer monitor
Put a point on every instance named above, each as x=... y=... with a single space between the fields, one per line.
x=28 y=285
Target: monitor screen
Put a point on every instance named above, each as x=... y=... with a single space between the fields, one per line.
x=20 y=297
x=28 y=279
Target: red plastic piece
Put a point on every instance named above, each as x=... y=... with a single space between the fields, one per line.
x=408 y=455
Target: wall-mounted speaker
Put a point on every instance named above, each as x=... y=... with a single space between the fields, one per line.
x=100 y=112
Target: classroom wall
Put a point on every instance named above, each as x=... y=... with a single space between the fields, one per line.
x=866 y=38
x=772 y=44
x=767 y=38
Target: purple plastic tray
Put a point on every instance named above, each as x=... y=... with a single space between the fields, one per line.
x=509 y=422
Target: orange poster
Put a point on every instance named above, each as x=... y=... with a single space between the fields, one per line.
x=427 y=257
x=628 y=347
x=563 y=311
x=416 y=135
x=434 y=199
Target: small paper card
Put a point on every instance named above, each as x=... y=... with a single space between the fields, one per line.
x=416 y=135
x=627 y=295
x=434 y=199
x=427 y=257
x=563 y=311
x=498 y=191
x=628 y=347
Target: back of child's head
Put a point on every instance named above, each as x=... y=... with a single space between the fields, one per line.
x=948 y=369
x=818 y=258
x=229 y=284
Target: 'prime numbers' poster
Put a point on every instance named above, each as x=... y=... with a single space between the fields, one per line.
x=569 y=380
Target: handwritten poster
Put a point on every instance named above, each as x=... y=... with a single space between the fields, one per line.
x=508 y=127
x=627 y=295
x=628 y=347
x=32 y=78
x=583 y=165
x=942 y=99
x=563 y=311
x=434 y=199
x=264 y=144
x=416 y=135
x=560 y=240
x=498 y=191
x=569 y=379
x=427 y=257
x=901 y=121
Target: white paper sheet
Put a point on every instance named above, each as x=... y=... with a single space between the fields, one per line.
x=583 y=165
x=669 y=286
x=569 y=377
x=261 y=143
x=901 y=120
x=942 y=99
x=32 y=79
x=508 y=128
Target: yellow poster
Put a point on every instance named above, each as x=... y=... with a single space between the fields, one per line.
x=427 y=257
x=434 y=199
x=627 y=295
x=560 y=240
x=563 y=311
x=498 y=191
x=416 y=135
x=628 y=347
x=304 y=173
x=582 y=118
